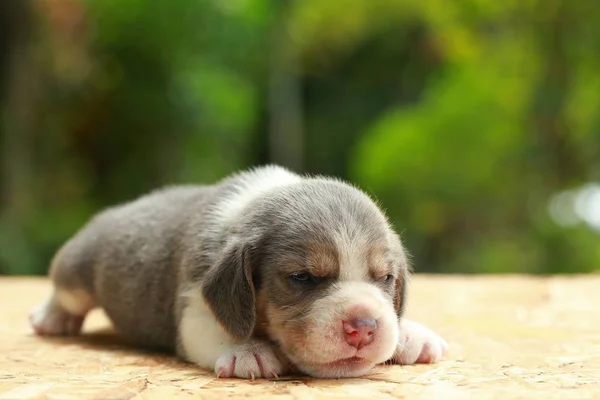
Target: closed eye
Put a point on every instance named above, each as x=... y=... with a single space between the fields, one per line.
x=305 y=279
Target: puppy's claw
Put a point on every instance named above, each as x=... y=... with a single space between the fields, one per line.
x=251 y=361
x=418 y=345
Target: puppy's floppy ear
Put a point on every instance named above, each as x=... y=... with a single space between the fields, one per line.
x=230 y=293
x=401 y=292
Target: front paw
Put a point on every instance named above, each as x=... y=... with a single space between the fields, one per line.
x=249 y=360
x=418 y=344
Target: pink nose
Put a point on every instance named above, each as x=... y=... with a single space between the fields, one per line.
x=360 y=332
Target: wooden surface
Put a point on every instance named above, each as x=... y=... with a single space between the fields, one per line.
x=510 y=337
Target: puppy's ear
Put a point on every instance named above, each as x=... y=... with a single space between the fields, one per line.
x=401 y=292
x=230 y=293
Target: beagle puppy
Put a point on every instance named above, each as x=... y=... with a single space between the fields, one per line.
x=264 y=273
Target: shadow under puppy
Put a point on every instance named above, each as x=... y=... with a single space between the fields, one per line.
x=263 y=273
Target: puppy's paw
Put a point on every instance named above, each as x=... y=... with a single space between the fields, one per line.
x=49 y=320
x=250 y=360
x=418 y=345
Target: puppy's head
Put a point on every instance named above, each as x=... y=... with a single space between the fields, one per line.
x=316 y=269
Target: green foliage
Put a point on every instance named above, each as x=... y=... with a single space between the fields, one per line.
x=462 y=118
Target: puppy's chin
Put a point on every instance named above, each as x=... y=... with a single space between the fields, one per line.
x=346 y=368
x=349 y=364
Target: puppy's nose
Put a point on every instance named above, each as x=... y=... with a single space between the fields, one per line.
x=360 y=331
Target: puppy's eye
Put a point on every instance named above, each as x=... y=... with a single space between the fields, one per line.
x=304 y=278
x=388 y=278
x=300 y=277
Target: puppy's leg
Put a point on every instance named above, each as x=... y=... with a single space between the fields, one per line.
x=418 y=344
x=204 y=342
x=64 y=311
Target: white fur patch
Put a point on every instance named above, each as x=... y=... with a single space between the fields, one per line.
x=201 y=336
x=353 y=259
x=76 y=301
x=255 y=184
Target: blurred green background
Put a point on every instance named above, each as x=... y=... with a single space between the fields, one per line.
x=476 y=123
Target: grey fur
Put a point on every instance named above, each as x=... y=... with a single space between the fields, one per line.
x=138 y=259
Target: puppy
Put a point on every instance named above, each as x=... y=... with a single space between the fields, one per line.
x=264 y=273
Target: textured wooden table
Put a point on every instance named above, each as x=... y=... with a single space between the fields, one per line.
x=510 y=337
